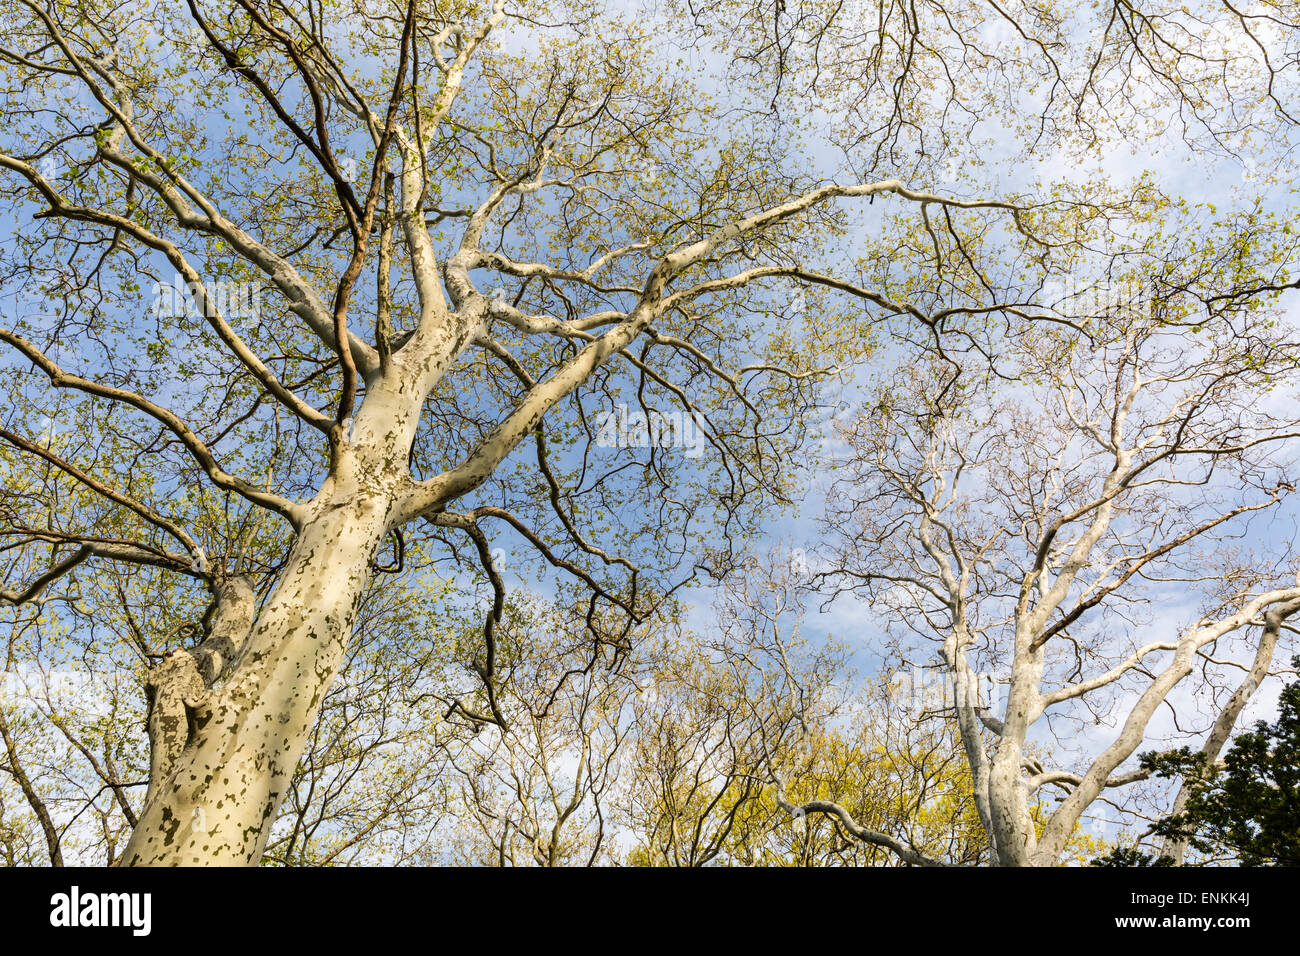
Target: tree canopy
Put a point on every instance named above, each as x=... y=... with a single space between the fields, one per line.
x=397 y=389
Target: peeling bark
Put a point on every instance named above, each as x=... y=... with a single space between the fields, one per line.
x=218 y=787
x=177 y=688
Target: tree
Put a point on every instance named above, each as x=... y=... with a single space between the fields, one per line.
x=751 y=726
x=309 y=291
x=541 y=791
x=1021 y=536
x=469 y=168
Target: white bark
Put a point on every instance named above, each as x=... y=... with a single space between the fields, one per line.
x=228 y=782
x=1140 y=414
x=220 y=789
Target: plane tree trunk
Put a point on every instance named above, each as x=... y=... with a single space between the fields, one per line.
x=230 y=719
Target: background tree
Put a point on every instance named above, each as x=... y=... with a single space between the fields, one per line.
x=750 y=717
x=1021 y=537
x=542 y=791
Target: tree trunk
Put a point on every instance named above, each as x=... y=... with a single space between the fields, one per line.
x=1014 y=836
x=219 y=794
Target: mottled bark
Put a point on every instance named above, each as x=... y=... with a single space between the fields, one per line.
x=177 y=688
x=218 y=791
x=228 y=750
